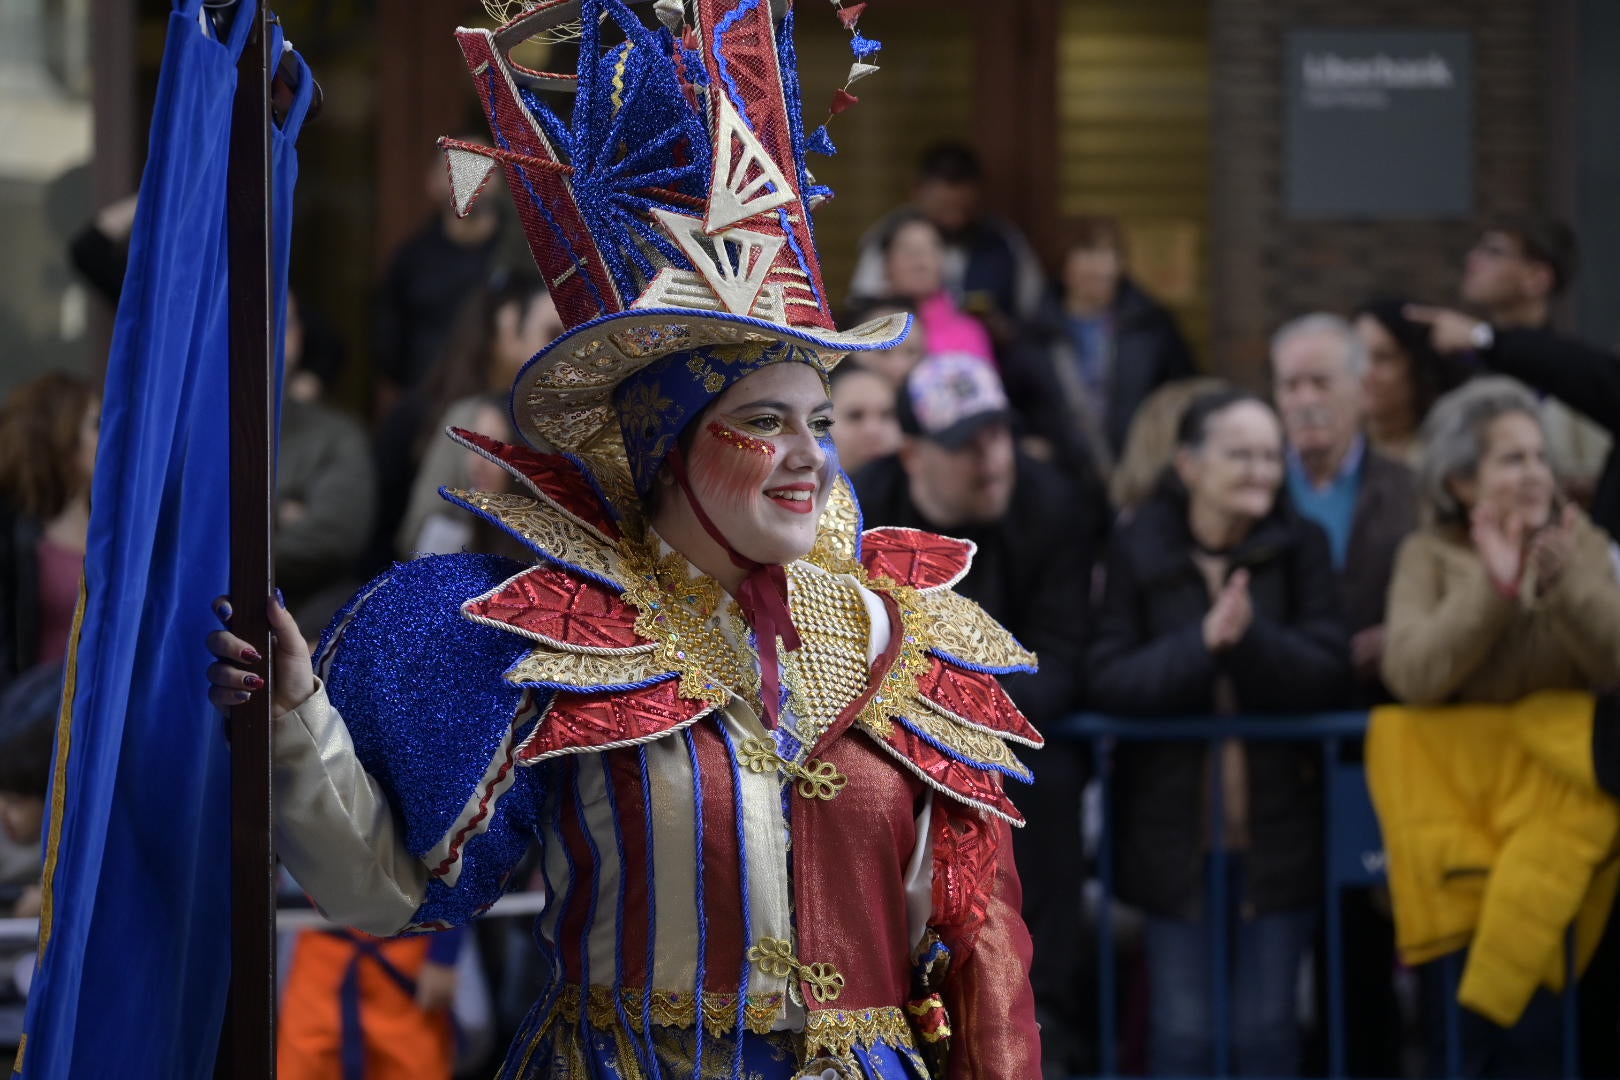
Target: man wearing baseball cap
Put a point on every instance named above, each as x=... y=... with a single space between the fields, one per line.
x=959 y=473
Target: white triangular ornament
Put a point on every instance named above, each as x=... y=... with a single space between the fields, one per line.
x=734 y=263
x=469 y=172
x=746 y=181
x=859 y=71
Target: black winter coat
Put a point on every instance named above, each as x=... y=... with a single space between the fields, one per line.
x=1582 y=376
x=1147 y=658
x=1032 y=571
x=1149 y=351
x=19 y=593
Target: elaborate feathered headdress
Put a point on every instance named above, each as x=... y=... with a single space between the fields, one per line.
x=669 y=213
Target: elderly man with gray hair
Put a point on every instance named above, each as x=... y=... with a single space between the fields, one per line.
x=1363 y=500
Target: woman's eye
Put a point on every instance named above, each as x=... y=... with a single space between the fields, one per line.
x=821 y=425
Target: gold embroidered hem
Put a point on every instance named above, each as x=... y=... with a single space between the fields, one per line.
x=838 y=1031
x=670 y=1008
x=826 y=1031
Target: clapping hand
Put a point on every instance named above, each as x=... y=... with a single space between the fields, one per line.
x=1551 y=548
x=1498 y=536
x=1229 y=617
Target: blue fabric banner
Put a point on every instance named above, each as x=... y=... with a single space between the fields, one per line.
x=135 y=934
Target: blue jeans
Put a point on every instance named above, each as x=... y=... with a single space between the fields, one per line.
x=1265 y=954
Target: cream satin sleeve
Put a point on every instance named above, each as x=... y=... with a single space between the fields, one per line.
x=334 y=827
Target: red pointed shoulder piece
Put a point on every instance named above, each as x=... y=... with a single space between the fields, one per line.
x=550 y=476
x=967 y=783
x=556 y=608
x=977 y=699
x=579 y=723
x=912 y=557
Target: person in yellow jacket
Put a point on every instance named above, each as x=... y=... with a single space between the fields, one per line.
x=1493 y=815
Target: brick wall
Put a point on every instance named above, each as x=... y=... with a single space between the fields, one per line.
x=1266 y=268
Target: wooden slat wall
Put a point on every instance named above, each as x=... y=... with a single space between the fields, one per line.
x=1133 y=138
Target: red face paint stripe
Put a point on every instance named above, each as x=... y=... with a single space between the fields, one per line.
x=739 y=440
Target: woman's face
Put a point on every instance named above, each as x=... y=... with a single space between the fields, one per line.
x=1239 y=468
x=863 y=406
x=1513 y=474
x=896 y=362
x=760 y=464
x=915 y=261
x=1388 y=381
x=520 y=332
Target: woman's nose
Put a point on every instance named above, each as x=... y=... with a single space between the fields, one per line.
x=804 y=451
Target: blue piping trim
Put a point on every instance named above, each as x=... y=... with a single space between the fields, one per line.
x=970 y=666
x=698 y=900
x=551 y=947
x=605 y=688
x=652 y=910
x=590 y=908
x=747 y=915
x=810 y=335
x=642 y=1052
x=590 y=478
x=798 y=253
x=721 y=29
x=450 y=497
x=957 y=755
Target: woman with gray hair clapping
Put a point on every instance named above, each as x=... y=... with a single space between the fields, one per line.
x=1507 y=590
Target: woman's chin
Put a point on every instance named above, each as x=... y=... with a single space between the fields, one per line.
x=780 y=546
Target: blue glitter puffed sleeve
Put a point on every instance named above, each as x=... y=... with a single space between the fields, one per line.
x=420 y=690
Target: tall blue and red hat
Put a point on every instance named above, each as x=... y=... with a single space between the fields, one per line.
x=669 y=215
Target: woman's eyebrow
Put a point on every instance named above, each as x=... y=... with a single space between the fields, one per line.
x=779 y=406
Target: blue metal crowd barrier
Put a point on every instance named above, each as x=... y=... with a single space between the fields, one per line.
x=1352 y=857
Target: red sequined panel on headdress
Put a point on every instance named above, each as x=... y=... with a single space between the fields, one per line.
x=559 y=479
x=561 y=244
x=912 y=557
x=555 y=604
x=743 y=64
x=977 y=697
x=978 y=785
x=593 y=721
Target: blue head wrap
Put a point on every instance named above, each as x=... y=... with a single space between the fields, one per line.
x=657 y=403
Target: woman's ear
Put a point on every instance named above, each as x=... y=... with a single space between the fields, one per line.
x=1465 y=489
x=1187 y=465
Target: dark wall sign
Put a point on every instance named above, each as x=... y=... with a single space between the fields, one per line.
x=1379 y=124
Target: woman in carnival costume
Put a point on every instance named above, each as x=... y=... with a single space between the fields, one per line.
x=763 y=751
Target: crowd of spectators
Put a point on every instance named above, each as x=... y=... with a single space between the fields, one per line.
x=1397 y=520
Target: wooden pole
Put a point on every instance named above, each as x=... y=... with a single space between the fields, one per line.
x=248 y=1051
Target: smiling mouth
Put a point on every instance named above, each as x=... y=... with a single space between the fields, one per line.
x=797 y=500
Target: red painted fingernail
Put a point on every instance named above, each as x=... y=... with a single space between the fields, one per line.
x=251 y=655
x=253 y=682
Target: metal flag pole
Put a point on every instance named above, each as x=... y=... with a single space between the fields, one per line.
x=248 y=1049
